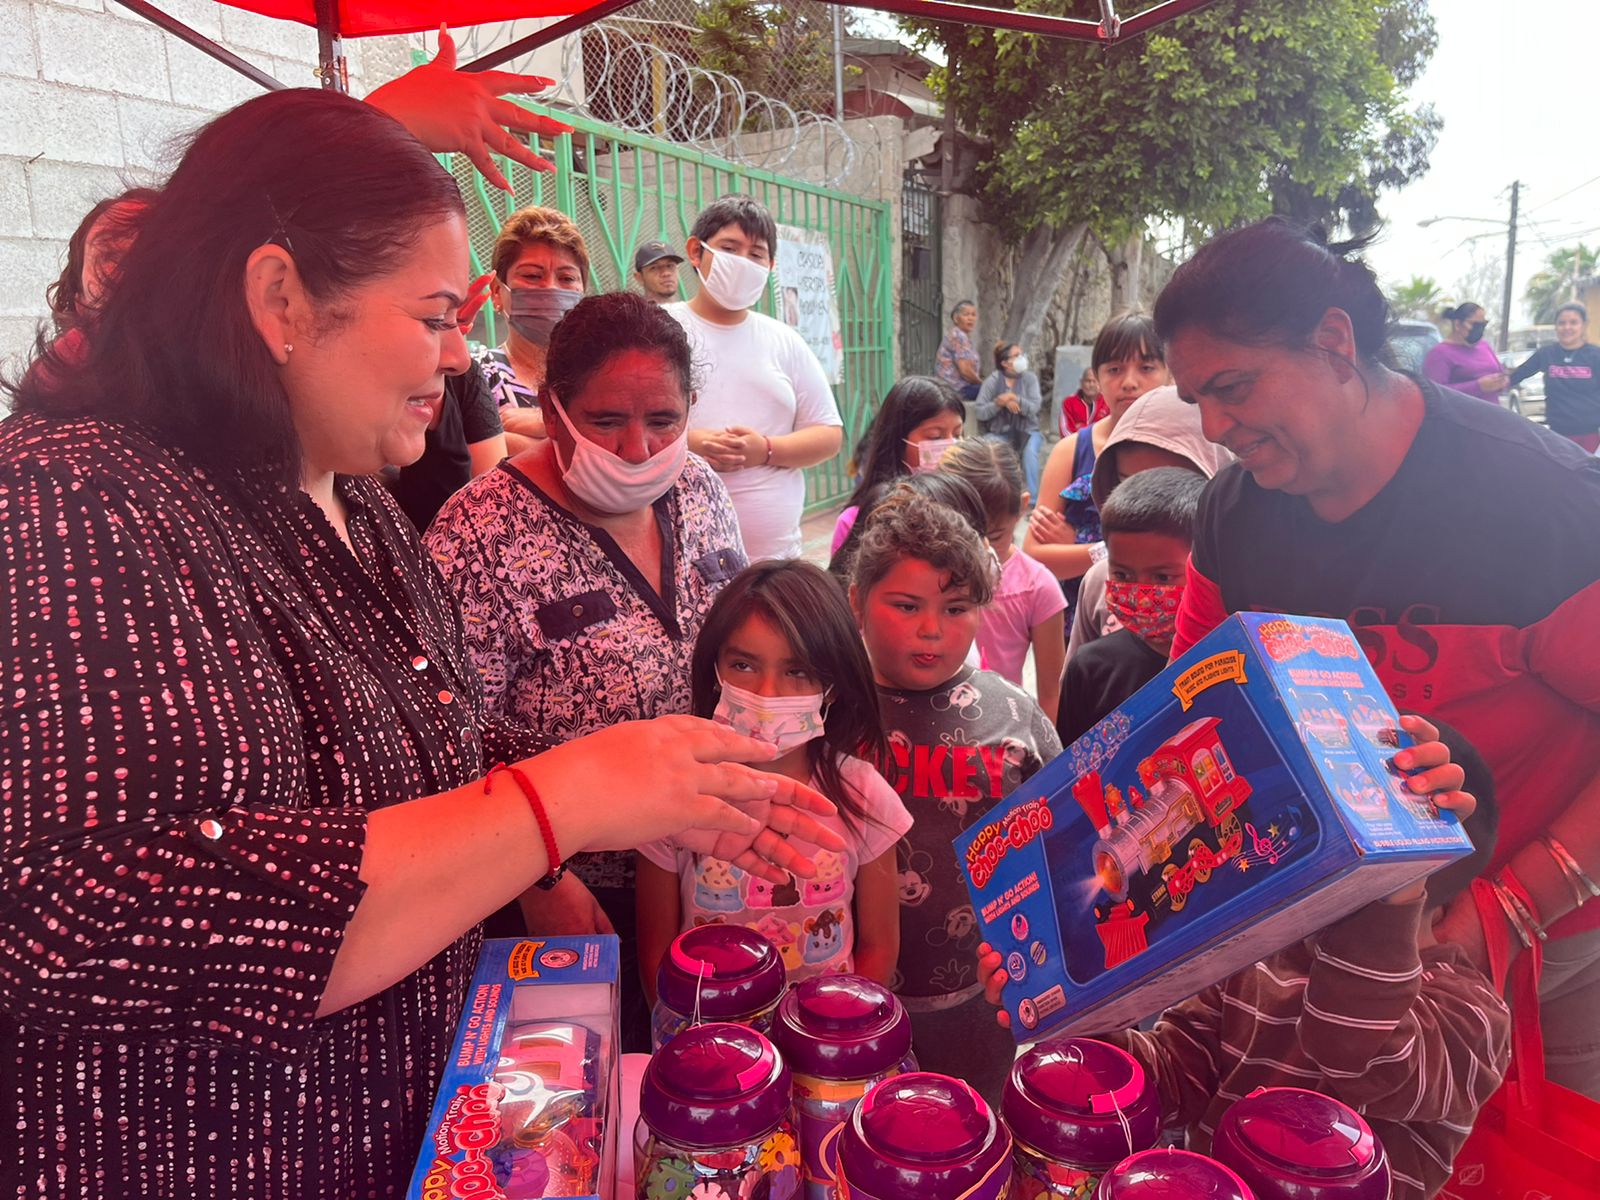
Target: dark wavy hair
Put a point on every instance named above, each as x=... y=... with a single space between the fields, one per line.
x=750 y=215
x=905 y=525
x=910 y=402
x=601 y=326
x=113 y=223
x=1270 y=284
x=808 y=607
x=339 y=185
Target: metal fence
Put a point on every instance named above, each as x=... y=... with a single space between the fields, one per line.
x=623 y=188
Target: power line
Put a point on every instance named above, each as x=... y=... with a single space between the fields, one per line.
x=1565 y=194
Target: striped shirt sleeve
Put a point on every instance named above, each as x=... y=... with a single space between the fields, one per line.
x=1397 y=1038
x=1183 y=1054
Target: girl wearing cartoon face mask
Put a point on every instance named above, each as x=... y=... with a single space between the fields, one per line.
x=585 y=565
x=779 y=659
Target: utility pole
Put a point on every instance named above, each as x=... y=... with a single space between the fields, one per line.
x=838 y=64
x=1511 y=268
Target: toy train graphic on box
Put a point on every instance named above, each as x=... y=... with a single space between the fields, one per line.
x=1242 y=799
x=1187 y=781
x=1189 y=787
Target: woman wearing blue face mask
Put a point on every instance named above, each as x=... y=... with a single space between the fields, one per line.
x=780 y=660
x=541 y=269
x=584 y=566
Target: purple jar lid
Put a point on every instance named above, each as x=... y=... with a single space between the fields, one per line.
x=735 y=970
x=841 y=1027
x=1069 y=1100
x=1288 y=1143
x=1171 y=1175
x=714 y=1086
x=927 y=1136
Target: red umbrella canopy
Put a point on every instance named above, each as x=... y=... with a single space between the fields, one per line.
x=368 y=18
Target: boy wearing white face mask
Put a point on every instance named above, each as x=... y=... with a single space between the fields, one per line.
x=779 y=659
x=765 y=410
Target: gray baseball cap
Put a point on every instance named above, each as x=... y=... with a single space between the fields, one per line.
x=653 y=252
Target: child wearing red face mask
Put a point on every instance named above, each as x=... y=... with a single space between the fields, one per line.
x=1148 y=524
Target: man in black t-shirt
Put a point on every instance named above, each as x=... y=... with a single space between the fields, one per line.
x=1571 y=379
x=466 y=440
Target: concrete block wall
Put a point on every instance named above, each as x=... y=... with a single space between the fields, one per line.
x=94 y=99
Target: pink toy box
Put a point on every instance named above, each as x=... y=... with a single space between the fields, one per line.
x=528 y=1104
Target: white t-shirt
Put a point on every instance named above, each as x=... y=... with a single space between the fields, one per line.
x=761 y=375
x=811 y=921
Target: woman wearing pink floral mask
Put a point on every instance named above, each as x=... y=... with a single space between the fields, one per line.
x=1148 y=524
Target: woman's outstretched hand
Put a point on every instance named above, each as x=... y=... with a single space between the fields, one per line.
x=461 y=111
x=683 y=778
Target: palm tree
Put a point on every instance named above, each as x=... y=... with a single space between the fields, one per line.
x=1552 y=287
x=1418 y=297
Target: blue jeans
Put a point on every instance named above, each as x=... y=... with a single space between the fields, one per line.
x=1030 y=463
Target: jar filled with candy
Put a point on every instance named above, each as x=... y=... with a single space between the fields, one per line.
x=1076 y=1108
x=840 y=1034
x=716 y=973
x=714 y=1120
x=920 y=1135
x=1171 y=1175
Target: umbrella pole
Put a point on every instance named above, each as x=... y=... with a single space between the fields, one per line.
x=200 y=42
x=332 y=68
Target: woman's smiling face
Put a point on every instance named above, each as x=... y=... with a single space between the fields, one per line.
x=1279 y=409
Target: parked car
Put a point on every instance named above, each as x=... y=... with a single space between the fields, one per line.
x=1526 y=397
x=1409 y=343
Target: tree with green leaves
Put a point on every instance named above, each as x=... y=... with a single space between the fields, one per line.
x=782 y=48
x=1555 y=283
x=1417 y=297
x=1239 y=110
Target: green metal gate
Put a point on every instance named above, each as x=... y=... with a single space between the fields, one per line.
x=623 y=188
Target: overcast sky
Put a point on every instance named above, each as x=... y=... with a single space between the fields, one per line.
x=1518 y=85
x=1519 y=90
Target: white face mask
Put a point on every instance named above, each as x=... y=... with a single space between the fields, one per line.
x=781 y=721
x=1019 y=364
x=734 y=282
x=608 y=483
x=930 y=453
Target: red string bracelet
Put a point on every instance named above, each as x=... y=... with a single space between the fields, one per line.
x=557 y=867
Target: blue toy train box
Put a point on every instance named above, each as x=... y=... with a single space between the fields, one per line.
x=1240 y=801
x=528 y=1103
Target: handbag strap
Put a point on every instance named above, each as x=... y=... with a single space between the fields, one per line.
x=1525 y=1076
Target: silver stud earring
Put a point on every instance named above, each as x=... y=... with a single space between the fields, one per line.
x=287 y=348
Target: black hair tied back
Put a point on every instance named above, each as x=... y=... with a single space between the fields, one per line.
x=1271 y=283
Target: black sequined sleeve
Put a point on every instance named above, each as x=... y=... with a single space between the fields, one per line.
x=162 y=872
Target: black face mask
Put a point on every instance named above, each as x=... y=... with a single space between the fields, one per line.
x=1475 y=332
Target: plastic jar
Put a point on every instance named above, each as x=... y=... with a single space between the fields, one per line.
x=714 y=1118
x=840 y=1035
x=1291 y=1144
x=920 y=1135
x=736 y=974
x=1076 y=1108
x=1171 y=1175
